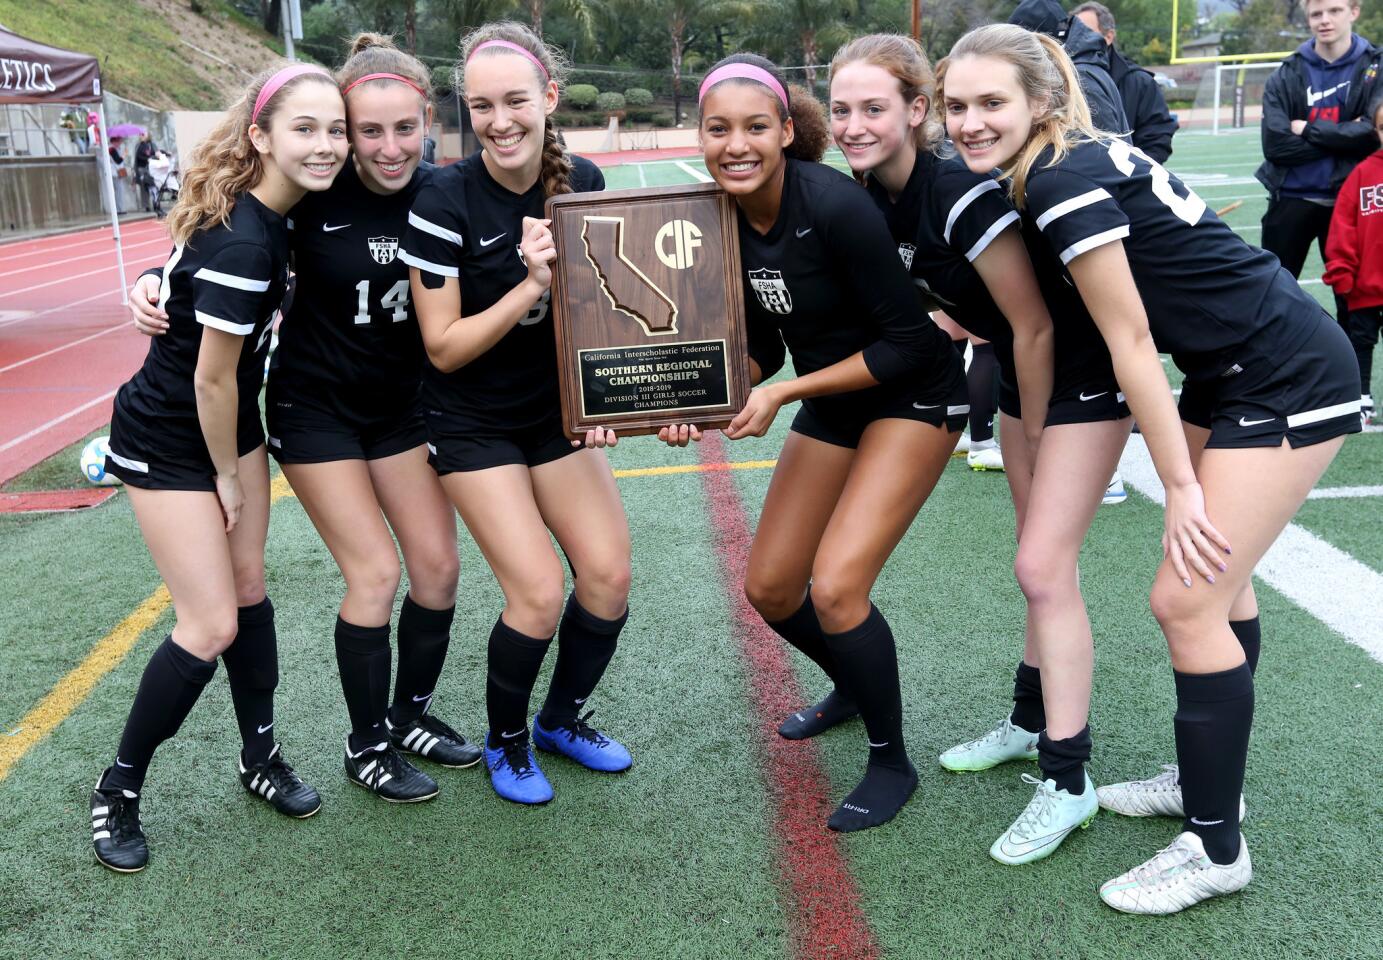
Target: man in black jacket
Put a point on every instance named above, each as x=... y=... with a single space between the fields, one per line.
x=1316 y=129
x=1144 y=107
x=1087 y=50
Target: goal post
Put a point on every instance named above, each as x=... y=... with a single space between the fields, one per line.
x=1233 y=92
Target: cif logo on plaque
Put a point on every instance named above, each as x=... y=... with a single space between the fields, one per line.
x=685 y=237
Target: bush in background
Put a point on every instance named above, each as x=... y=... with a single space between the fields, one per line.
x=581 y=96
x=638 y=97
x=609 y=102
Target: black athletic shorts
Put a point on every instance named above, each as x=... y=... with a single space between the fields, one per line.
x=308 y=430
x=1075 y=400
x=462 y=452
x=840 y=420
x=1311 y=398
x=153 y=456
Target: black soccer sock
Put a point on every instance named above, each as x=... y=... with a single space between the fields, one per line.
x=362 y=658
x=983 y=383
x=252 y=666
x=1213 y=719
x=959 y=346
x=1064 y=760
x=1028 y=710
x=424 y=635
x=514 y=662
x=833 y=709
x=1250 y=634
x=172 y=682
x=867 y=661
x=802 y=629
x=585 y=645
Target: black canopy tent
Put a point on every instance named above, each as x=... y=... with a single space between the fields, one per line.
x=33 y=72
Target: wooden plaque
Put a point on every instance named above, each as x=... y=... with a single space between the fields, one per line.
x=648 y=303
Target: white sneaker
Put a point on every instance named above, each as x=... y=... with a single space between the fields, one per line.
x=1177 y=877
x=1048 y=819
x=984 y=455
x=1366 y=411
x=1115 y=492
x=1159 y=796
x=1004 y=743
x=962 y=445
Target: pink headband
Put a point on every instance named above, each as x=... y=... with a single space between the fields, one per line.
x=383 y=76
x=273 y=84
x=506 y=45
x=742 y=71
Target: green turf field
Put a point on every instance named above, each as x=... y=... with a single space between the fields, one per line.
x=677 y=859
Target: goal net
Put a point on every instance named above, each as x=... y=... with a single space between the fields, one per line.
x=1230 y=95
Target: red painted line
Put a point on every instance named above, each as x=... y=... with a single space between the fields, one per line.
x=54 y=501
x=821 y=898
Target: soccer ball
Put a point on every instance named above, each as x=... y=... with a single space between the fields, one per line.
x=94 y=463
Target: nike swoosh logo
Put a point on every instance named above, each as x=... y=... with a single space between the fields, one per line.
x=1206 y=823
x=926 y=406
x=510 y=736
x=1092 y=396
x=266 y=727
x=1253 y=423
x=1312 y=97
x=327 y=229
x=803 y=233
x=581 y=701
x=122 y=763
x=486 y=243
x=426 y=696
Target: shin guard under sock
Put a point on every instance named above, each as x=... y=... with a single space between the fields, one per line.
x=514 y=662
x=1213 y=720
x=363 y=660
x=585 y=646
x=868 y=663
x=1028 y=711
x=424 y=635
x=1064 y=760
x=1250 y=637
x=252 y=666
x=172 y=682
x=983 y=382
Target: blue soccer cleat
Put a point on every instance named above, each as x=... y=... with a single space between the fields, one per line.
x=583 y=743
x=514 y=773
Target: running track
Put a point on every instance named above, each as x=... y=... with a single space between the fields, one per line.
x=65 y=340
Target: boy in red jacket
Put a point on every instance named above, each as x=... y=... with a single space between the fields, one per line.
x=1354 y=258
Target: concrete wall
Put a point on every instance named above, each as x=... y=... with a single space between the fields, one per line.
x=43 y=193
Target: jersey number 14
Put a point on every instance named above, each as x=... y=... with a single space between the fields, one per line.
x=396 y=297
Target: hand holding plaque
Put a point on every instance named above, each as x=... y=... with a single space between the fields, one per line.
x=648 y=306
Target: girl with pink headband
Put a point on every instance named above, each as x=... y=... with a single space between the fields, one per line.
x=187 y=441
x=482 y=267
x=346 y=426
x=883 y=400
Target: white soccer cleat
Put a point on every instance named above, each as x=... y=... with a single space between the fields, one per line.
x=1048 y=819
x=1159 y=796
x=1004 y=743
x=962 y=445
x=1177 y=877
x=985 y=455
x=1115 y=492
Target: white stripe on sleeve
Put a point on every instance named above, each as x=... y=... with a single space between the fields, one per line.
x=239 y=329
x=1075 y=203
x=983 y=242
x=1090 y=243
x=959 y=206
x=231 y=280
x=427 y=226
x=442 y=270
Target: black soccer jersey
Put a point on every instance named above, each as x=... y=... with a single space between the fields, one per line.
x=465 y=225
x=231 y=278
x=350 y=339
x=826 y=281
x=1213 y=302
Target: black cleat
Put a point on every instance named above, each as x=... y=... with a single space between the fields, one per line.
x=432 y=739
x=382 y=770
x=274 y=782
x=116 y=835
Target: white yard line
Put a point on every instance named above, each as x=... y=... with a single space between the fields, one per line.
x=1344 y=493
x=701 y=175
x=1323 y=580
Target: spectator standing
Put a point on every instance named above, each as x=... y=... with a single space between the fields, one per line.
x=1144 y=106
x=1086 y=50
x=120 y=175
x=142 y=152
x=1315 y=131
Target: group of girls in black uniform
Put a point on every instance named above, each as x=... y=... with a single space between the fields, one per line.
x=1018 y=226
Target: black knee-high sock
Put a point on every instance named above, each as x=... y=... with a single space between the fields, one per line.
x=424 y=635
x=1213 y=719
x=803 y=630
x=363 y=659
x=252 y=666
x=1064 y=760
x=171 y=684
x=983 y=383
x=1028 y=710
x=514 y=662
x=585 y=646
x=1250 y=636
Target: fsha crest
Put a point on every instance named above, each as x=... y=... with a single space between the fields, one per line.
x=905 y=252
x=772 y=291
x=384 y=249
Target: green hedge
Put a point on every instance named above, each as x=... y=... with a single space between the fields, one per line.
x=581 y=96
x=609 y=102
x=638 y=97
